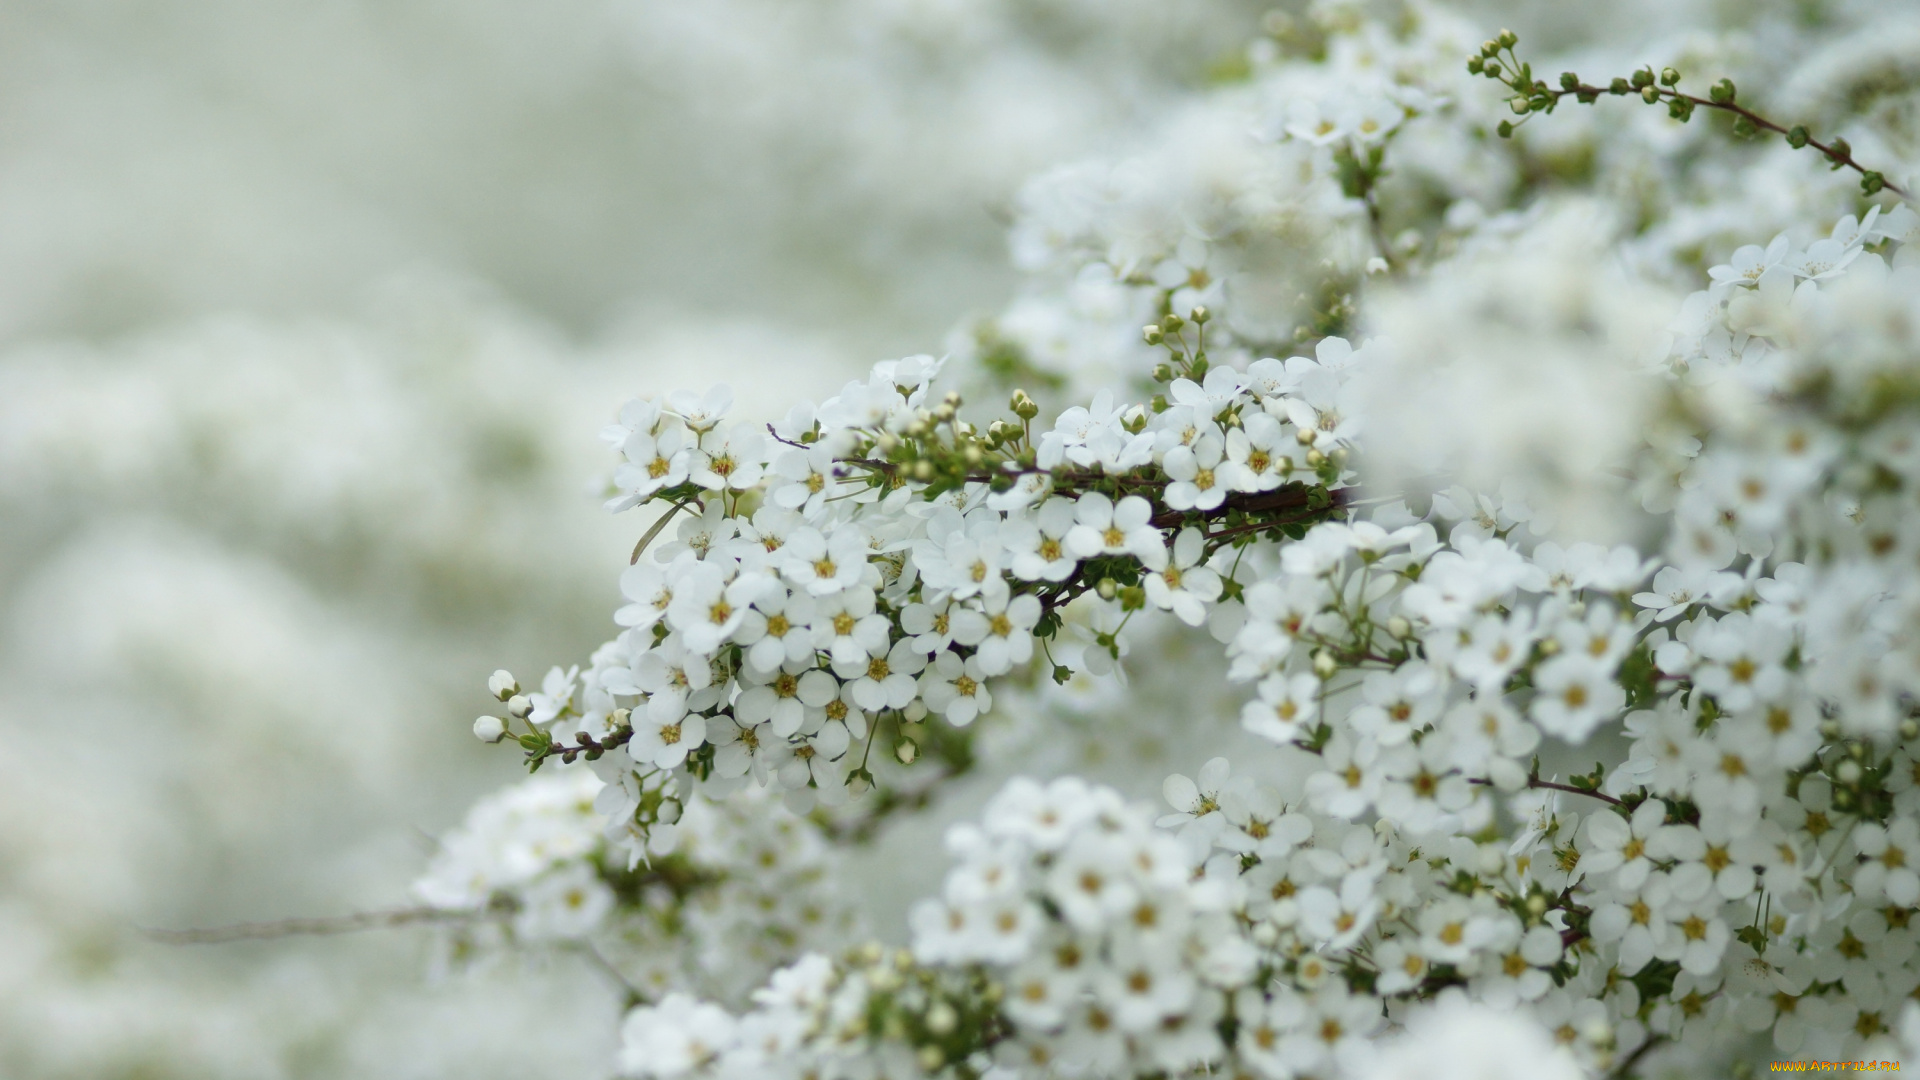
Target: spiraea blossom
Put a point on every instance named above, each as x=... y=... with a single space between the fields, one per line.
x=1490 y=507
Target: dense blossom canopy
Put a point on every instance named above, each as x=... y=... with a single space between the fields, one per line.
x=1458 y=501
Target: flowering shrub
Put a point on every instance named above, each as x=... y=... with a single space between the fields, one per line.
x=1463 y=501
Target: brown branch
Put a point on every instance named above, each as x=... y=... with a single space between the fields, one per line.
x=339 y=924
x=1535 y=782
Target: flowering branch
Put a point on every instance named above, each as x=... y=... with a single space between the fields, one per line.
x=1535 y=96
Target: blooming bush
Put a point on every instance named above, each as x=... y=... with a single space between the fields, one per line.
x=1459 y=501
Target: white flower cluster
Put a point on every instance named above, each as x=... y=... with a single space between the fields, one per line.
x=830 y=587
x=747 y=888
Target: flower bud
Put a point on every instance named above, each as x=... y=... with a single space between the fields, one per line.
x=1324 y=665
x=1508 y=39
x=1619 y=86
x=1669 y=77
x=1133 y=598
x=1643 y=78
x=1306 y=436
x=1162 y=373
x=1399 y=627
x=1108 y=588
x=489 y=729
x=1569 y=81
x=1721 y=92
x=1151 y=335
x=1505 y=129
x=1909 y=728
x=1848 y=772
x=915 y=711
x=519 y=705
x=501 y=684
x=1200 y=315
x=1649 y=94
x=1493 y=69
x=905 y=751
x=941 y=1019
x=1797 y=136
x=1519 y=106
x=1172 y=322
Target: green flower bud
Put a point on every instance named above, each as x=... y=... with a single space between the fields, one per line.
x=1722 y=92
x=1643 y=78
x=1475 y=64
x=1519 y=106
x=1669 y=77
x=1508 y=39
x=1797 y=137
x=1618 y=86
x=1493 y=69
x=1569 y=81
x=1200 y=315
x=1505 y=129
x=1172 y=322
x=1151 y=335
x=1649 y=94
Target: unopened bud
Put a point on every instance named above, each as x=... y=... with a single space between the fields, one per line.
x=905 y=751
x=1172 y=322
x=1910 y=728
x=1315 y=459
x=1108 y=588
x=502 y=685
x=931 y=1058
x=1306 y=436
x=1024 y=406
x=1669 y=77
x=923 y=470
x=1399 y=627
x=489 y=729
x=1200 y=314
x=1162 y=373
x=1519 y=106
x=915 y=711
x=1151 y=335
x=1797 y=136
x=1829 y=729
x=941 y=1019
x=1508 y=39
x=1133 y=598
x=519 y=705
x=1649 y=94
x=1324 y=665
x=1722 y=92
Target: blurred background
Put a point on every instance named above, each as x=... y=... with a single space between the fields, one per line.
x=309 y=316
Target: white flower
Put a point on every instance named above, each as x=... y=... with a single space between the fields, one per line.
x=1103 y=528
x=1001 y=632
x=1185 y=587
x=1575 y=695
x=824 y=565
x=664 y=744
x=729 y=458
x=1199 y=483
x=1038 y=545
x=1287 y=704
x=956 y=688
x=674 y=1038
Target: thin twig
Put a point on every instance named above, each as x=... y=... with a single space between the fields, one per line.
x=339 y=924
